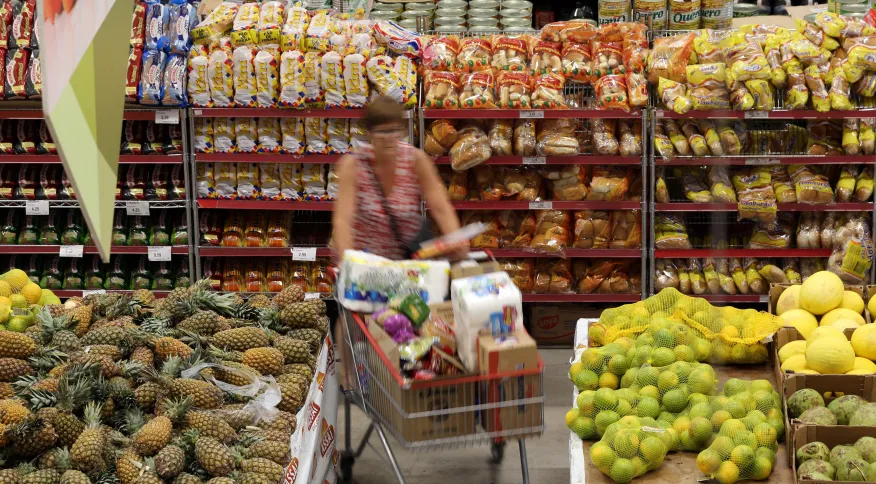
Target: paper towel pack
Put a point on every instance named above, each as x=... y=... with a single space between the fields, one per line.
x=367 y=281
x=485 y=304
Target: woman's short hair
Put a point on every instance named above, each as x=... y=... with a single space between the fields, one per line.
x=383 y=110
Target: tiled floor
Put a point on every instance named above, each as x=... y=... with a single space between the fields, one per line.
x=548 y=456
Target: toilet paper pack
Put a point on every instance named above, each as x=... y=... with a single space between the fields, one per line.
x=367 y=281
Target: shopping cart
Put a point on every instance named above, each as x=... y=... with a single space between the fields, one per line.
x=443 y=413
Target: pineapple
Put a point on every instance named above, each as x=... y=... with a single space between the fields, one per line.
x=143 y=355
x=47 y=476
x=259 y=301
x=214 y=456
x=264 y=467
x=236 y=416
x=292 y=397
x=70 y=396
x=128 y=465
x=6 y=390
x=312 y=336
x=234 y=373
x=209 y=424
x=13 y=368
x=252 y=478
x=81 y=315
x=204 y=395
x=170 y=461
x=86 y=454
x=165 y=347
x=221 y=480
x=31 y=437
x=147 y=394
x=288 y=296
x=110 y=351
x=74 y=477
x=201 y=323
x=12 y=411
x=302 y=369
x=241 y=339
x=143 y=297
x=9 y=476
x=107 y=335
x=294 y=350
x=275 y=435
x=299 y=315
x=284 y=421
x=185 y=478
x=15 y=345
x=148 y=478
x=57 y=458
x=271 y=450
x=267 y=361
x=156 y=433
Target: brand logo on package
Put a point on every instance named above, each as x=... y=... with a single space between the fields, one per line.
x=330 y=357
x=328 y=438
x=292 y=471
x=548 y=322
x=314 y=415
x=320 y=381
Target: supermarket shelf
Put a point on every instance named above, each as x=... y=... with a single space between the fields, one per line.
x=307 y=295
x=123 y=159
x=265 y=205
x=554 y=160
x=576 y=253
x=75 y=203
x=570 y=298
x=698 y=253
x=212 y=251
x=528 y=114
x=768 y=160
x=63 y=293
x=279 y=113
x=88 y=249
x=778 y=114
x=548 y=205
x=735 y=298
x=782 y=207
x=264 y=158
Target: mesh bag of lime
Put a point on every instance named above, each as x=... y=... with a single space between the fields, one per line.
x=629 y=448
x=671 y=326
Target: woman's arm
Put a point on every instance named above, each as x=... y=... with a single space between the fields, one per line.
x=345 y=206
x=435 y=194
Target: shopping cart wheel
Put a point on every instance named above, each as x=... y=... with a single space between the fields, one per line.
x=497 y=449
x=347 y=461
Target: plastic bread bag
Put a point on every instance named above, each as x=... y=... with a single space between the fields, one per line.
x=662 y=144
x=489 y=184
x=174 y=92
x=630 y=138
x=444 y=131
x=737 y=275
x=267 y=70
x=796 y=92
x=556 y=137
x=757 y=204
x=839 y=93
x=792 y=271
x=477 y=91
x=244 y=77
x=509 y=53
x=740 y=98
x=243 y=30
x=471 y=149
x=845 y=186
x=611 y=93
x=397 y=39
x=355 y=80
x=319 y=30
x=693 y=184
x=224 y=135
x=332 y=78
x=665 y=274
x=592 y=229
x=269 y=135
x=851 y=260
x=316 y=136
x=729 y=140
x=661 y=193
x=710 y=133
x=220 y=75
x=772 y=50
x=866 y=85
x=762 y=93
x=674 y=96
x=864 y=185
x=831 y=23
x=338 y=135
x=440 y=53
x=501 y=136
x=386 y=81
x=570 y=189
x=851 y=144
x=637 y=87
x=514 y=90
x=203 y=135
x=829 y=226
x=545 y=57
x=313 y=180
x=552 y=231
x=774 y=235
x=669 y=58
x=246 y=136
x=848 y=226
x=205 y=181
x=604 y=132
x=684 y=285
x=199 y=87
x=564 y=171
x=292 y=31
x=867 y=136
x=609 y=184
x=157 y=20
x=626 y=229
x=569 y=31
x=720 y=186
x=524 y=138
x=745 y=59
x=695 y=139
x=812 y=187
x=270 y=23
x=547 y=91
x=782 y=185
x=815 y=35
x=577 y=62
x=333 y=186
x=475 y=55
x=457 y=187
x=292 y=131
x=269 y=180
x=707 y=45
x=755 y=282
x=215 y=24
x=532 y=185
x=442 y=90
x=406 y=71
x=225 y=175
x=710 y=273
x=290 y=181
x=314 y=96
x=292 y=89
x=150 y=92
x=818 y=93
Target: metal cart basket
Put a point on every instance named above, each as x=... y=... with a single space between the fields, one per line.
x=443 y=413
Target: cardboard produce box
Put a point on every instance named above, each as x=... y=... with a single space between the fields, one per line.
x=776 y=290
x=555 y=324
x=511 y=354
x=831 y=436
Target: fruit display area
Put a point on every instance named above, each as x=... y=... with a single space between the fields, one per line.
x=673 y=386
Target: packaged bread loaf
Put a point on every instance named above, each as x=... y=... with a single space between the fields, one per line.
x=406 y=71
x=509 y=53
x=609 y=184
x=630 y=138
x=611 y=92
x=501 y=135
x=662 y=144
x=316 y=136
x=292 y=130
x=808 y=231
x=552 y=230
x=514 y=90
x=547 y=91
x=267 y=70
x=356 y=80
x=386 y=81
x=626 y=229
x=223 y=135
x=545 y=57
x=292 y=89
x=811 y=187
x=592 y=229
x=442 y=90
x=457 y=188
x=710 y=134
x=669 y=58
x=845 y=185
x=607 y=58
x=720 y=186
x=489 y=184
x=332 y=78
x=477 y=91
x=665 y=274
x=524 y=137
x=867 y=136
x=475 y=55
x=440 y=53
x=556 y=137
x=864 y=184
x=269 y=135
x=569 y=31
x=674 y=96
x=244 y=77
x=577 y=62
x=782 y=185
x=604 y=136
x=695 y=139
x=314 y=96
x=693 y=184
x=571 y=188
x=661 y=193
x=470 y=149
x=670 y=232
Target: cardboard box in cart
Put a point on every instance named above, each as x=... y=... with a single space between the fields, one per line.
x=830 y=436
x=506 y=354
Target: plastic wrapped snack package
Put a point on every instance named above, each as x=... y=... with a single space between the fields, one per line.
x=316 y=38
x=245 y=88
x=270 y=23
x=630 y=135
x=864 y=185
x=729 y=139
x=442 y=90
x=406 y=71
x=489 y=183
x=609 y=184
x=572 y=188
x=269 y=181
x=224 y=135
x=674 y=96
x=246 y=135
x=203 y=135
x=292 y=130
x=157 y=19
x=215 y=24
x=811 y=187
x=604 y=133
x=745 y=59
x=205 y=181
x=577 y=62
x=367 y=281
x=313 y=181
x=457 y=187
x=220 y=75
x=501 y=136
x=755 y=203
x=385 y=80
x=611 y=92
x=444 y=131
x=782 y=185
x=338 y=135
x=695 y=139
x=557 y=138
x=851 y=143
x=608 y=59
x=592 y=229
x=267 y=75
x=569 y=31
x=671 y=232
x=851 y=260
x=243 y=30
x=150 y=92
x=548 y=91
x=290 y=181
x=332 y=78
x=867 y=136
x=292 y=32
x=545 y=57
x=774 y=235
x=669 y=58
x=818 y=93
x=772 y=50
x=524 y=138
x=440 y=54
x=397 y=39
x=314 y=96
x=269 y=135
x=740 y=98
x=316 y=136
x=693 y=184
x=225 y=175
x=662 y=143
x=840 y=91
x=199 y=84
x=476 y=91
x=355 y=80
x=710 y=134
x=796 y=92
x=333 y=186
x=292 y=90
x=248 y=181
x=637 y=87
x=475 y=55
x=808 y=235
x=471 y=149
x=514 y=90
x=509 y=53
x=661 y=193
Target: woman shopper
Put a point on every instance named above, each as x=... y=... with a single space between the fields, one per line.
x=382 y=186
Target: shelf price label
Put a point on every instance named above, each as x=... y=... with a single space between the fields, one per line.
x=71 y=251
x=36 y=207
x=529 y=114
x=89 y=292
x=304 y=253
x=659 y=113
x=761 y=161
x=311 y=295
x=137 y=208
x=158 y=253
x=756 y=114
x=534 y=160
x=167 y=116
x=541 y=205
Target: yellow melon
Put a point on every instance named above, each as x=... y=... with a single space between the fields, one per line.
x=16 y=278
x=792 y=349
x=788 y=300
x=843 y=324
x=807 y=371
x=32 y=293
x=794 y=363
x=825 y=332
x=830 y=355
x=853 y=301
x=841 y=313
x=821 y=292
x=864 y=341
x=864 y=364
x=801 y=319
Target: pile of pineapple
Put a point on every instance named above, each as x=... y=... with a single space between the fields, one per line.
x=20 y=298
x=93 y=392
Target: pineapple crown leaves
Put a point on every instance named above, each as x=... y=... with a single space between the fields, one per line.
x=175 y=409
x=269 y=317
x=91 y=415
x=219 y=354
x=72 y=393
x=108 y=478
x=61 y=457
x=25 y=468
x=52 y=324
x=25 y=429
x=132 y=419
x=243 y=310
x=47 y=357
x=194 y=340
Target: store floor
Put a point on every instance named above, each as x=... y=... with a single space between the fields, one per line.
x=548 y=456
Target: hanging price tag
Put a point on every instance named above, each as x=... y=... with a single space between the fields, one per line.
x=71 y=251
x=158 y=253
x=757 y=114
x=311 y=295
x=36 y=207
x=541 y=205
x=534 y=160
x=659 y=113
x=137 y=208
x=304 y=253
x=761 y=161
x=89 y=292
x=531 y=114
x=167 y=116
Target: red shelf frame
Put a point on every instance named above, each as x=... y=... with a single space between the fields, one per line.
x=556 y=160
x=264 y=158
x=700 y=253
x=78 y=292
x=264 y=205
x=568 y=298
x=146 y=114
x=88 y=249
x=576 y=253
x=213 y=251
x=778 y=114
x=777 y=159
x=782 y=207
x=555 y=205
x=279 y=113
x=528 y=114
x=123 y=159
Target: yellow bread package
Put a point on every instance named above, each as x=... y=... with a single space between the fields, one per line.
x=864 y=185
x=671 y=232
x=220 y=74
x=695 y=139
x=782 y=185
x=807 y=52
x=796 y=94
x=745 y=59
x=740 y=98
x=707 y=45
x=831 y=23
x=815 y=35
x=772 y=50
x=216 y=23
x=707 y=75
x=811 y=186
x=762 y=93
x=674 y=96
x=661 y=193
x=818 y=93
x=729 y=139
x=719 y=184
x=845 y=186
x=851 y=144
x=693 y=184
x=679 y=141
x=840 y=90
x=662 y=144
x=669 y=58
x=867 y=136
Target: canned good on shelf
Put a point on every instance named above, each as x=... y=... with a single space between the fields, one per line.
x=414 y=14
x=421 y=6
x=857 y=9
x=411 y=24
x=483 y=13
x=485 y=30
x=477 y=23
x=517 y=22
x=453 y=4
x=483 y=4
x=520 y=30
x=449 y=21
x=385 y=15
x=450 y=12
x=516 y=13
x=394 y=7
x=512 y=4
x=741 y=10
x=838 y=6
